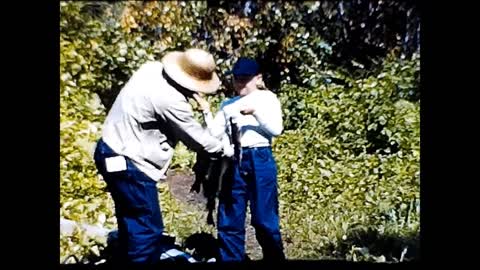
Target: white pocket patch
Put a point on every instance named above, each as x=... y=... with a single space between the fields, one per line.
x=116 y=164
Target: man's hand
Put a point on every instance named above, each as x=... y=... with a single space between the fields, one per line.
x=228 y=150
x=203 y=103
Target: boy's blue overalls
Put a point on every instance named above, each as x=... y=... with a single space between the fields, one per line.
x=254 y=180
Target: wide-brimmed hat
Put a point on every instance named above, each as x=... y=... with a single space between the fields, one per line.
x=193 y=69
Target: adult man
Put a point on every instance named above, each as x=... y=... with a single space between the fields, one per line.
x=148 y=118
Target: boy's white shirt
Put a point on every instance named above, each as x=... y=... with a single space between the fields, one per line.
x=257 y=129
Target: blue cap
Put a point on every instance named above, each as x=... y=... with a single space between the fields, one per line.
x=245 y=67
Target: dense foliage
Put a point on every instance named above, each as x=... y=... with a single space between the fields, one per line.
x=350 y=162
x=347 y=75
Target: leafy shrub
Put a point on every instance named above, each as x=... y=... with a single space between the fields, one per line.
x=334 y=176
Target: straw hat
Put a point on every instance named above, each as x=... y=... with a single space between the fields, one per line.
x=193 y=69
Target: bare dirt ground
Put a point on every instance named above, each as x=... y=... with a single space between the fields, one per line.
x=180 y=183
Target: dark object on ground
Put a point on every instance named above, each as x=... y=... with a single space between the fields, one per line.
x=204 y=245
x=215 y=174
x=111 y=253
x=212 y=175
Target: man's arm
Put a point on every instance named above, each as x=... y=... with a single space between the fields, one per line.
x=217 y=125
x=188 y=130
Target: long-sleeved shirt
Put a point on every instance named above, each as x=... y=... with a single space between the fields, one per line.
x=147 y=120
x=256 y=130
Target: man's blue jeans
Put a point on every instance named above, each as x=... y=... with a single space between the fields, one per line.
x=137 y=209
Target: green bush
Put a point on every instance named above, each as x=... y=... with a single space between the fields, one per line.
x=334 y=175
